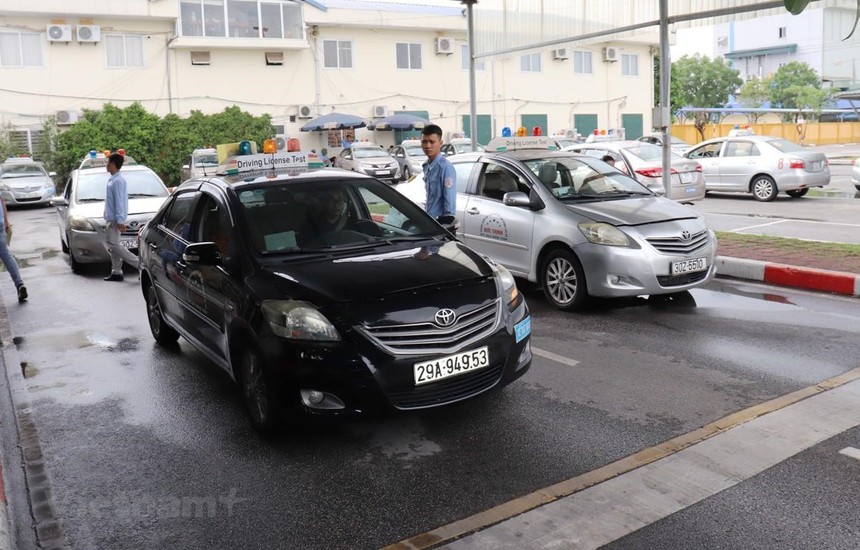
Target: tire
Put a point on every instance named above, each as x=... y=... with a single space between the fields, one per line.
x=563 y=280
x=763 y=188
x=77 y=267
x=63 y=245
x=162 y=333
x=797 y=193
x=407 y=172
x=257 y=393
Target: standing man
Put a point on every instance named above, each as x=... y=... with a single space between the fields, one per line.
x=116 y=214
x=6 y=255
x=440 y=179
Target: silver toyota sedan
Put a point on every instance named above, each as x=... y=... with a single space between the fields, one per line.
x=25 y=181
x=761 y=165
x=575 y=225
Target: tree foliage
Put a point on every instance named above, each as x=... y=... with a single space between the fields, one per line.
x=699 y=81
x=796 y=85
x=160 y=143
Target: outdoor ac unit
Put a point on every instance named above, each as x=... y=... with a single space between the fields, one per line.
x=59 y=33
x=560 y=54
x=65 y=118
x=306 y=111
x=444 y=45
x=89 y=33
x=380 y=111
x=281 y=142
x=610 y=54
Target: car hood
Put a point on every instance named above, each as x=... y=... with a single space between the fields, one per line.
x=135 y=206
x=635 y=211
x=388 y=270
x=29 y=181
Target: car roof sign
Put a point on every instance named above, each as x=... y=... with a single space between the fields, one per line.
x=516 y=143
x=269 y=164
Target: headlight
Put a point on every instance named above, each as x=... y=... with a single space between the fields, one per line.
x=4 y=187
x=603 y=233
x=80 y=223
x=297 y=320
x=507 y=284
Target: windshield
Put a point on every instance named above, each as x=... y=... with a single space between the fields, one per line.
x=784 y=145
x=679 y=142
x=92 y=187
x=369 y=152
x=22 y=171
x=205 y=160
x=583 y=178
x=417 y=152
x=466 y=148
x=648 y=151
x=336 y=214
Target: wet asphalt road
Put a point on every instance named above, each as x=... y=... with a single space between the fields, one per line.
x=146 y=447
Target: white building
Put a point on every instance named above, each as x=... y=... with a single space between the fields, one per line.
x=296 y=59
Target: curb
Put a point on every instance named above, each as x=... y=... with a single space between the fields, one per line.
x=809 y=278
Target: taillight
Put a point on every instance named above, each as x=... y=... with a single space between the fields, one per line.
x=698 y=168
x=796 y=164
x=654 y=172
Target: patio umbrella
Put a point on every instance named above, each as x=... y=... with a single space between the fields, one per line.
x=399 y=122
x=333 y=121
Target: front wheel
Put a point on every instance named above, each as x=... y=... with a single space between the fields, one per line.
x=257 y=393
x=764 y=188
x=563 y=280
x=797 y=193
x=407 y=172
x=162 y=333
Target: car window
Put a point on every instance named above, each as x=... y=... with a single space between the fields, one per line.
x=215 y=226
x=22 y=171
x=706 y=151
x=464 y=173
x=178 y=215
x=415 y=152
x=92 y=187
x=740 y=149
x=572 y=177
x=369 y=152
x=496 y=181
x=784 y=146
x=207 y=160
x=649 y=152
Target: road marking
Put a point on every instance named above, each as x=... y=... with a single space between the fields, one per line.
x=851 y=452
x=762 y=443
x=555 y=357
x=757 y=226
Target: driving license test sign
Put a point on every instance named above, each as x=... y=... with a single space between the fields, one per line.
x=264 y=164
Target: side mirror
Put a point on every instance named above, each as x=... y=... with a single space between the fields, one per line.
x=52 y=174
x=202 y=253
x=59 y=201
x=516 y=198
x=449 y=223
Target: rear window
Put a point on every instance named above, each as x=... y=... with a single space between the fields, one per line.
x=649 y=152
x=784 y=145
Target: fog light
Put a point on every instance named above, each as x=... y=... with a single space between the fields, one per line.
x=315 y=397
x=525 y=355
x=614 y=279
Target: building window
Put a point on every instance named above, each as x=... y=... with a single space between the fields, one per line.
x=274 y=58
x=530 y=63
x=782 y=32
x=241 y=18
x=200 y=58
x=408 y=55
x=20 y=49
x=123 y=51
x=337 y=54
x=629 y=64
x=479 y=63
x=582 y=62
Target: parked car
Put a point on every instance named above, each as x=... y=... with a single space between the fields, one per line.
x=644 y=162
x=25 y=181
x=761 y=165
x=304 y=296
x=200 y=162
x=410 y=156
x=458 y=145
x=575 y=225
x=855 y=174
x=80 y=209
x=370 y=159
x=676 y=144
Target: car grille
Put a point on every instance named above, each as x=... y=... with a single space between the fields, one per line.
x=449 y=389
x=428 y=338
x=677 y=245
x=680 y=280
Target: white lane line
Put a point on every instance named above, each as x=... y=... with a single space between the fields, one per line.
x=851 y=451
x=555 y=357
x=757 y=226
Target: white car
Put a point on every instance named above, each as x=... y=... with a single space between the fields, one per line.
x=25 y=181
x=676 y=144
x=855 y=174
x=370 y=159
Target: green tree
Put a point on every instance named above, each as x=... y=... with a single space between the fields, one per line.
x=699 y=81
x=754 y=93
x=797 y=86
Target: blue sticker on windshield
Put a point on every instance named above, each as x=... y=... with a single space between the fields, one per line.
x=523 y=328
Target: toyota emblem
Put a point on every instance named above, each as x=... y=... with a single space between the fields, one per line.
x=685 y=236
x=445 y=317
x=133 y=224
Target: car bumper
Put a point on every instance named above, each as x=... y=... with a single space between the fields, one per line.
x=357 y=377
x=90 y=247
x=614 y=272
x=16 y=198
x=801 y=180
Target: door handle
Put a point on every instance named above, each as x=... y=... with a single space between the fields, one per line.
x=473 y=211
x=153 y=246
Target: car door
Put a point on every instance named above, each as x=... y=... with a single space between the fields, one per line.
x=739 y=162
x=708 y=155
x=63 y=210
x=504 y=233
x=167 y=242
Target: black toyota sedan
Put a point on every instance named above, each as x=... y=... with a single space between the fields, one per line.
x=297 y=288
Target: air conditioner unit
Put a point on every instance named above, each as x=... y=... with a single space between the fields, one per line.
x=610 y=54
x=380 y=111
x=444 y=45
x=66 y=118
x=59 y=33
x=560 y=54
x=281 y=141
x=89 y=33
x=305 y=111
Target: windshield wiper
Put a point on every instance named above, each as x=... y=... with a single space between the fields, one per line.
x=143 y=195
